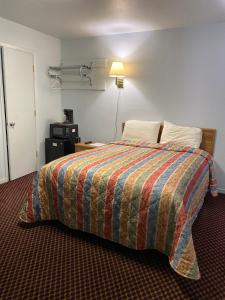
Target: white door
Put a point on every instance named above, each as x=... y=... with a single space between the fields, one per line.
x=20 y=111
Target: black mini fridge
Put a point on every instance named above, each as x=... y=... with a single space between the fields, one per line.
x=56 y=148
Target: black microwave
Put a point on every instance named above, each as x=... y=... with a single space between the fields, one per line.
x=64 y=131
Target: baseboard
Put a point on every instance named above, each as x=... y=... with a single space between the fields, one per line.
x=222 y=191
x=3 y=180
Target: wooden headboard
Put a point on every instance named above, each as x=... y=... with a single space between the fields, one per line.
x=208 y=138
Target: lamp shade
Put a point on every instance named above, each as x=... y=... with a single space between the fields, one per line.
x=117 y=69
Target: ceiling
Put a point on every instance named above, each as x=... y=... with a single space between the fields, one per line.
x=79 y=18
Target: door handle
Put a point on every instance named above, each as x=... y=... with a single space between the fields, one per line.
x=12 y=124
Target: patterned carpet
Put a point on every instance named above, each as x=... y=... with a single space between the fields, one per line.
x=50 y=261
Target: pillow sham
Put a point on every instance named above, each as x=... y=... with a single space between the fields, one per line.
x=185 y=136
x=141 y=130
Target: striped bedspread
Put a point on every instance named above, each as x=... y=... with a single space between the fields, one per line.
x=140 y=195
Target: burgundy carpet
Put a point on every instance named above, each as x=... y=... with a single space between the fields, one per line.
x=50 y=261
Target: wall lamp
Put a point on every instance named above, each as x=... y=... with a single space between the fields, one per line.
x=117 y=70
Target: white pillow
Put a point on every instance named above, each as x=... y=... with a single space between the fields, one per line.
x=141 y=130
x=185 y=136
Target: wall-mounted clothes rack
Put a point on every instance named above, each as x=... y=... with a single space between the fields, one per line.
x=80 y=74
x=81 y=70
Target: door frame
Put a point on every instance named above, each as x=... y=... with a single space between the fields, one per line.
x=3 y=104
x=3 y=125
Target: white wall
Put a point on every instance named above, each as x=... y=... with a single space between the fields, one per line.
x=176 y=74
x=47 y=51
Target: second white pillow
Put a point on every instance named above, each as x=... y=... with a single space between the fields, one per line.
x=185 y=136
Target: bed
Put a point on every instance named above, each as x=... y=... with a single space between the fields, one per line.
x=141 y=195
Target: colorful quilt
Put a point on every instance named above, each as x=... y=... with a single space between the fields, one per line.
x=143 y=196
